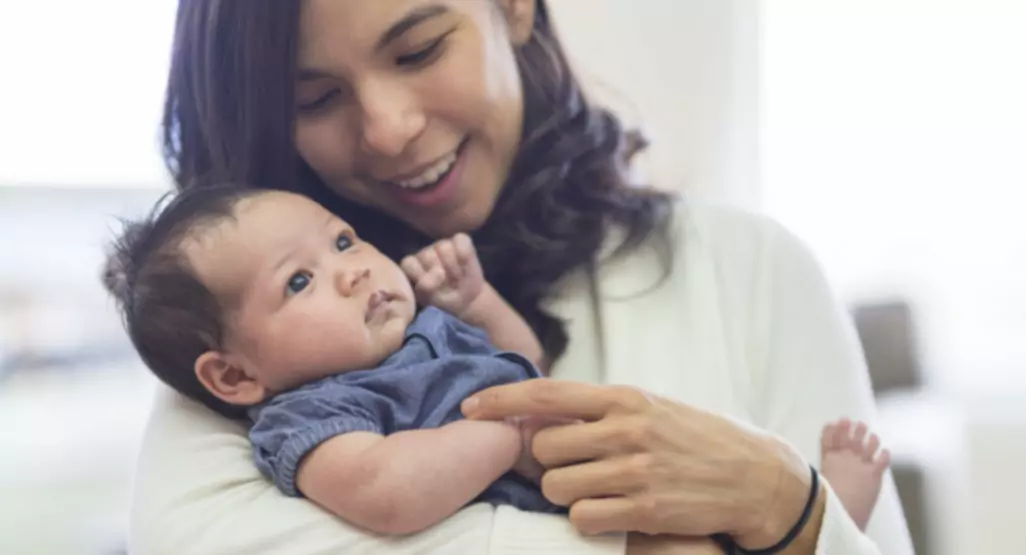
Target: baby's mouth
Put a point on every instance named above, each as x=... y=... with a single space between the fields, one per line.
x=377 y=302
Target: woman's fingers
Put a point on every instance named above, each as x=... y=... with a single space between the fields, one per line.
x=666 y=544
x=544 y=397
x=568 y=444
x=651 y=513
x=613 y=514
x=604 y=478
x=562 y=445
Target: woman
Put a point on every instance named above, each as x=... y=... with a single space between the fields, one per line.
x=417 y=119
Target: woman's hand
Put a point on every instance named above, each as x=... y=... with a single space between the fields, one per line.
x=637 y=462
x=641 y=544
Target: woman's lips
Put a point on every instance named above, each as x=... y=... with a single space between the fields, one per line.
x=436 y=193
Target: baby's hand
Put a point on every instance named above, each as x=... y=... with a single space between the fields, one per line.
x=446 y=274
x=527 y=465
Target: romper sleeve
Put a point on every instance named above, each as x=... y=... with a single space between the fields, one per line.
x=294 y=423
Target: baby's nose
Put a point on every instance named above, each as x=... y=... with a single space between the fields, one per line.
x=349 y=281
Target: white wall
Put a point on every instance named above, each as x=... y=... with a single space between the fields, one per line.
x=70 y=423
x=82 y=88
x=685 y=67
x=686 y=70
x=893 y=141
x=894 y=137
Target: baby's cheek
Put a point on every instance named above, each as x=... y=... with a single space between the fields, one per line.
x=292 y=349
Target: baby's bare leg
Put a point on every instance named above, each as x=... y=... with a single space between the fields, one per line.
x=854 y=467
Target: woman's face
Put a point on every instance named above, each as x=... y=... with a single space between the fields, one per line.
x=412 y=106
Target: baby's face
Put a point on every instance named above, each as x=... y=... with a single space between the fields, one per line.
x=304 y=296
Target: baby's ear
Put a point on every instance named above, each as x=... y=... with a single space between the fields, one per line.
x=228 y=380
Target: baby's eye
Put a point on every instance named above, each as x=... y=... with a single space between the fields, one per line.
x=343 y=242
x=297 y=283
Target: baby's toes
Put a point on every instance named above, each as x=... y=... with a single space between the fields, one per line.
x=832 y=439
x=826 y=439
x=871 y=447
x=842 y=434
x=882 y=462
x=858 y=439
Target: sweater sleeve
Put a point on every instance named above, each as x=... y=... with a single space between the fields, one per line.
x=197 y=491
x=809 y=369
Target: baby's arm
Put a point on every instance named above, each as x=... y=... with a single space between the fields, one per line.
x=407 y=481
x=448 y=275
x=504 y=325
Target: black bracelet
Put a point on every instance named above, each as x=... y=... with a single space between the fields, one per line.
x=730 y=547
x=726 y=543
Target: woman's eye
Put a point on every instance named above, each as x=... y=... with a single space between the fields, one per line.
x=319 y=102
x=297 y=283
x=423 y=55
x=343 y=242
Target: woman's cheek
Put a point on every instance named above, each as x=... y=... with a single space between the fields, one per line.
x=325 y=148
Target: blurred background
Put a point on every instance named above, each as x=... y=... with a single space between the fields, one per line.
x=889 y=134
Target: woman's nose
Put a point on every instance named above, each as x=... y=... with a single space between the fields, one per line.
x=348 y=282
x=391 y=118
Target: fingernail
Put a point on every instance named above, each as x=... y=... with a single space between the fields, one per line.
x=470 y=404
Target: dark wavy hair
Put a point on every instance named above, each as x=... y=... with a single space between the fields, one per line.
x=229 y=117
x=171 y=317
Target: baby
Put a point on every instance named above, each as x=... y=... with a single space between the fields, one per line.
x=263 y=305
x=266 y=307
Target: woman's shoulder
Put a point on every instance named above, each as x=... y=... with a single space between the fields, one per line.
x=738 y=245
x=747 y=255
x=726 y=229
x=737 y=241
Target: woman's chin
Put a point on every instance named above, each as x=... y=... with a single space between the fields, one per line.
x=464 y=218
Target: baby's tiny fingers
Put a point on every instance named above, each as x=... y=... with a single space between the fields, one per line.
x=431 y=281
x=447 y=253
x=429 y=259
x=413 y=268
x=465 y=251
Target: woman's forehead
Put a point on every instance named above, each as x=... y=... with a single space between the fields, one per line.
x=354 y=22
x=333 y=28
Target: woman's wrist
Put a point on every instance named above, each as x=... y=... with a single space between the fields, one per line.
x=780 y=484
x=808 y=539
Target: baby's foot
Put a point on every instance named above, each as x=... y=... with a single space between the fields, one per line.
x=853 y=467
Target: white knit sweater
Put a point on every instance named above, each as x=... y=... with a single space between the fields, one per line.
x=745 y=324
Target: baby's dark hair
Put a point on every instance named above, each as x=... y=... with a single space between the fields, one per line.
x=170 y=316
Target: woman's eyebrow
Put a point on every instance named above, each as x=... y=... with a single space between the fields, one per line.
x=409 y=21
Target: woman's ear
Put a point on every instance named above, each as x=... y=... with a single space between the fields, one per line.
x=520 y=18
x=227 y=380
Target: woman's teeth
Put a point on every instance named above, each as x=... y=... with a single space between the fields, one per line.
x=430 y=175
